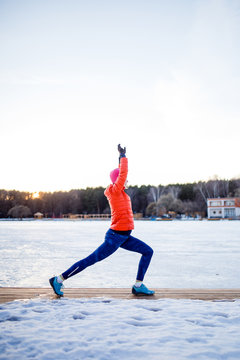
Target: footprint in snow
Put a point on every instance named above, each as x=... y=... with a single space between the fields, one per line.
x=79 y=317
x=6 y=316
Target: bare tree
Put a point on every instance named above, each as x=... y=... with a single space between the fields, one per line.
x=200 y=188
x=190 y=207
x=151 y=209
x=169 y=203
x=155 y=193
x=132 y=191
x=19 y=211
x=174 y=191
x=213 y=188
x=225 y=186
x=237 y=192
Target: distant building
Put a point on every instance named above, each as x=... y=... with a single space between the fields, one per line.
x=224 y=208
x=38 y=215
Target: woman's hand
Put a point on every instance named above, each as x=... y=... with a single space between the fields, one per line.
x=122 y=151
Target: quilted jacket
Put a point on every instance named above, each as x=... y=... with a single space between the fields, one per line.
x=119 y=201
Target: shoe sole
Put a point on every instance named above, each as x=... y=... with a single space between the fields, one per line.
x=51 y=283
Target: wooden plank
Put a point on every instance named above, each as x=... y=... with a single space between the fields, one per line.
x=16 y=293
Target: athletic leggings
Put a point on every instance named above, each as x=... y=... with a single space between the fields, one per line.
x=114 y=240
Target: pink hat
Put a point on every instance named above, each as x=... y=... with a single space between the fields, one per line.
x=114 y=175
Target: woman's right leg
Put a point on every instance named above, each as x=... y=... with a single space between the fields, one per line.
x=111 y=244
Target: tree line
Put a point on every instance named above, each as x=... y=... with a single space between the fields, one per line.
x=150 y=201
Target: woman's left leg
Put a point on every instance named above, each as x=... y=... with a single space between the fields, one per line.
x=136 y=245
x=109 y=246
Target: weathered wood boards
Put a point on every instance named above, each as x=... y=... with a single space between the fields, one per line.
x=14 y=293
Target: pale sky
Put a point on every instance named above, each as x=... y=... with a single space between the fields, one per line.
x=78 y=77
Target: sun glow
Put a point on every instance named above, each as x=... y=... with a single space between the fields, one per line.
x=35 y=195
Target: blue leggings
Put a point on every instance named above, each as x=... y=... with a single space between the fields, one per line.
x=113 y=241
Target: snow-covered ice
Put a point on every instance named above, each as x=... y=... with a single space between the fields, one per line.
x=195 y=254
x=187 y=254
x=82 y=329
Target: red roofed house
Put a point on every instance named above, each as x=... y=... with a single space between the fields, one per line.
x=224 y=208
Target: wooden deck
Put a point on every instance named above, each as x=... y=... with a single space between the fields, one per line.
x=16 y=293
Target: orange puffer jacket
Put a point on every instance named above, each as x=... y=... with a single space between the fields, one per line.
x=119 y=201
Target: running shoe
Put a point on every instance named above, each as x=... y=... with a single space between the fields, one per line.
x=56 y=286
x=142 y=290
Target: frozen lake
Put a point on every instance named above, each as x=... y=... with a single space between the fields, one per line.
x=187 y=254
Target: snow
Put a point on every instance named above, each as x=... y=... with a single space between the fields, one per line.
x=119 y=329
x=187 y=254
x=194 y=254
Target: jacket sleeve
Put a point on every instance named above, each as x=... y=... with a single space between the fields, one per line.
x=122 y=177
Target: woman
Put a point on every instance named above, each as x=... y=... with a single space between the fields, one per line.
x=119 y=234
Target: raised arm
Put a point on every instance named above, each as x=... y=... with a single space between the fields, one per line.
x=122 y=152
x=123 y=170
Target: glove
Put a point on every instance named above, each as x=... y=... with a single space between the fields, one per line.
x=122 y=152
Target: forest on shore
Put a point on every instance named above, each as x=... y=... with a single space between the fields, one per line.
x=148 y=200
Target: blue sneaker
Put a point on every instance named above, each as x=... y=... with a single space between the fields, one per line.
x=142 y=290
x=56 y=286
